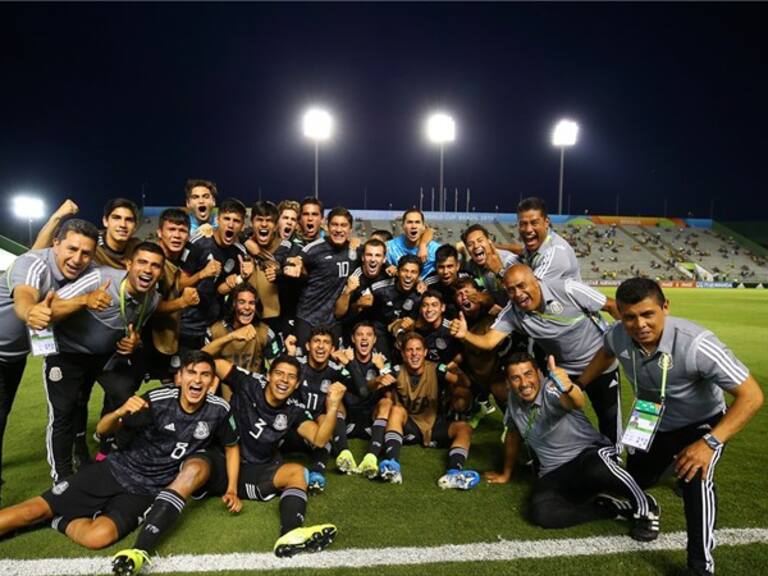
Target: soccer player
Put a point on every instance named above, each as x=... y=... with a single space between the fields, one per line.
x=288 y=218
x=442 y=347
x=105 y=501
x=575 y=464
x=418 y=414
x=487 y=264
x=268 y=408
x=684 y=368
x=262 y=246
x=448 y=271
x=414 y=240
x=546 y=252
x=201 y=203
x=396 y=299
x=27 y=302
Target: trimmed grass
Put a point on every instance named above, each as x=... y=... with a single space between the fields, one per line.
x=417 y=513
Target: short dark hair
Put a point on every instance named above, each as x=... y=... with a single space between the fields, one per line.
x=197 y=182
x=634 y=290
x=408 y=259
x=446 y=251
x=115 y=203
x=533 y=203
x=364 y=324
x=432 y=293
x=383 y=233
x=78 y=226
x=232 y=205
x=196 y=357
x=412 y=335
x=462 y=282
x=174 y=216
x=310 y=200
x=474 y=228
x=320 y=331
x=233 y=299
x=340 y=211
x=285 y=359
x=411 y=211
x=376 y=243
x=519 y=357
x=264 y=208
x=147 y=246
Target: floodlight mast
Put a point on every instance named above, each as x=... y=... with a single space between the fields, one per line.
x=28 y=208
x=317 y=126
x=441 y=129
x=564 y=135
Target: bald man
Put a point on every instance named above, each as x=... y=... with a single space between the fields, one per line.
x=563 y=317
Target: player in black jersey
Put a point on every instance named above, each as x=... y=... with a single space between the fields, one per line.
x=107 y=500
x=266 y=409
x=436 y=329
x=366 y=405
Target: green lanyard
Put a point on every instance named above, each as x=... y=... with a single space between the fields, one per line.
x=123 y=313
x=532 y=415
x=665 y=360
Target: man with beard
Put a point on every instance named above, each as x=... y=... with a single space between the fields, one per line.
x=418 y=414
x=447 y=272
x=546 y=252
x=266 y=410
x=326 y=263
x=96 y=343
x=201 y=203
x=28 y=307
x=241 y=338
x=216 y=266
x=487 y=263
x=366 y=405
x=395 y=300
x=262 y=245
x=413 y=241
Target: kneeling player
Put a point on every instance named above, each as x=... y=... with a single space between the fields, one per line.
x=105 y=501
x=265 y=409
x=575 y=463
x=418 y=415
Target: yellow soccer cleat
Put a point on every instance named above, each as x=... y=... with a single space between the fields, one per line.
x=305 y=539
x=345 y=462
x=129 y=562
x=369 y=467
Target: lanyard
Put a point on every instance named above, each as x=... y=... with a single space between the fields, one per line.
x=123 y=313
x=664 y=370
x=532 y=415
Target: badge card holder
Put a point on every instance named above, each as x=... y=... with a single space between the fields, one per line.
x=644 y=421
x=43 y=342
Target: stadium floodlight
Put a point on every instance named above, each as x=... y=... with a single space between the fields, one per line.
x=564 y=136
x=318 y=127
x=441 y=129
x=29 y=208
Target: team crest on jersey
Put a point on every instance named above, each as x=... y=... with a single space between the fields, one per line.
x=324 y=385
x=370 y=375
x=555 y=307
x=55 y=375
x=408 y=305
x=175 y=361
x=352 y=254
x=281 y=422
x=60 y=488
x=229 y=265
x=441 y=344
x=202 y=431
x=668 y=359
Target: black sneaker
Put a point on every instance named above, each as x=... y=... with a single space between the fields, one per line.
x=615 y=508
x=646 y=529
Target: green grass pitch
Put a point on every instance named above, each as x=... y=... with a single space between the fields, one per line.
x=418 y=513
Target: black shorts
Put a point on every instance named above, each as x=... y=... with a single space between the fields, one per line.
x=93 y=492
x=217 y=479
x=255 y=481
x=360 y=420
x=440 y=438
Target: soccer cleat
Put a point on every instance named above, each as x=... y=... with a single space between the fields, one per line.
x=316 y=482
x=129 y=562
x=345 y=462
x=459 y=479
x=646 y=528
x=369 y=466
x=616 y=508
x=389 y=471
x=484 y=408
x=305 y=539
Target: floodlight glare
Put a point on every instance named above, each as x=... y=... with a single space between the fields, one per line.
x=565 y=133
x=441 y=128
x=317 y=124
x=28 y=207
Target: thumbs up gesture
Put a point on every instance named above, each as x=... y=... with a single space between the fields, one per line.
x=128 y=343
x=39 y=315
x=459 y=326
x=246 y=267
x=99 y=299
x=558 y=376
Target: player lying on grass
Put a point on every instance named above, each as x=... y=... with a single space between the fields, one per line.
x=420 y=389
x=173 y=426
x=578 y=477
x=265 y=410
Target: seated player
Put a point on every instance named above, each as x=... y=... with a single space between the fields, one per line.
x=418 y=414
x=574 y=462
x=105 y=501
x=268 y=409
x=366 y=406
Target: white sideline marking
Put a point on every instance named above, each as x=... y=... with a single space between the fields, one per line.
x=366 y=557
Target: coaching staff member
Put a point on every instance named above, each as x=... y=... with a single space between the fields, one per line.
x=686 y=368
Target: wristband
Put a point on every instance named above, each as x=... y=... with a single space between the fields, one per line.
x=712 y=442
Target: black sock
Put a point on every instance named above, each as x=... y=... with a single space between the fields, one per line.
x=377 y=436
x=320 y=458
x=340 y=433
x=393 y=441
x=293 y=504
x=457 y=458
x=161 y=516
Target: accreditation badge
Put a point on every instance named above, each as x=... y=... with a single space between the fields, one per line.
x=43 y=342
x=644 y=421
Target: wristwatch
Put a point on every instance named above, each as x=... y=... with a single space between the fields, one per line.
x=711 y=441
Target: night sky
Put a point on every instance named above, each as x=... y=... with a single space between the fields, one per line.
x=98 y=99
